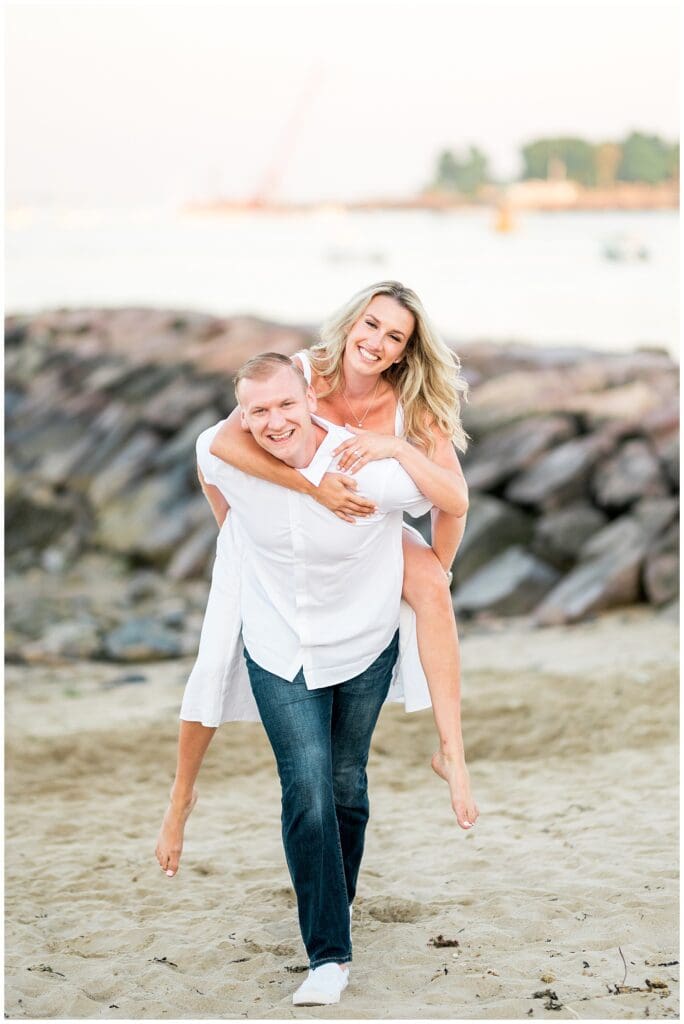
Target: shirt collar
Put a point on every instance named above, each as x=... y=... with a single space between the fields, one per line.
x=320 y=464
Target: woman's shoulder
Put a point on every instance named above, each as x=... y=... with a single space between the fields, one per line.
x=302 y=360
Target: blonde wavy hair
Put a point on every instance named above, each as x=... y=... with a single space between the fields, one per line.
x=428 y=381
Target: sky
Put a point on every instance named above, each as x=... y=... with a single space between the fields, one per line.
x=148 y=104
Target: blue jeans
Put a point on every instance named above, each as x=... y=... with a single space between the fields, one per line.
x=321 y=739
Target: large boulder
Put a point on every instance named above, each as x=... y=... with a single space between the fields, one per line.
x=150 y=519
x=559 y=536
x=506 y=452
x=65 y=641
x=35 y=519
x=142 y=639
x=511 y=584
x=130 y=462
x=196 y=554
x=632 y=472
x=621 y=535
x=606 y=582
x=181 y=400
x=560 y=476
x=628 y=404
x=492 y=526
x=661 y=568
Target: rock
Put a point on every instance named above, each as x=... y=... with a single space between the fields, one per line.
x=667 y=449
x=631 y=473
x=559 y=536
x=657 y=514
x=559 y=477
x=142 y=640
x=172 y=612
x=182 y=399
x=37 y=521
x=516 y=396
x=511 y=584
x=661 y=569
x=618 y=537
x=506 y=452
x=629 y=403
x=143 y=585
x=492 y=526
x=182 y=446
x=149 y=520
x=52 y=434
x=661 y=577
x=594 y=586
x=130 y=462
x=64 y=641
x=196 y=555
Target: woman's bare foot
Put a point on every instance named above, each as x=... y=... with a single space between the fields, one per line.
x=170 y=839
x=455 y=774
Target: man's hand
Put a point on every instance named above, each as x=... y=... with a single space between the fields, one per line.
x=336 y=492
x=365 y=447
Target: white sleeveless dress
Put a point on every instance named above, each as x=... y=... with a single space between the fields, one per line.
x=218 y=688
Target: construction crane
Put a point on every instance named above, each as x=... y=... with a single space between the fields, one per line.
x=267 y=187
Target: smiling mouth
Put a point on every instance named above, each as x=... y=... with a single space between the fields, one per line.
x=367 y=356
x=280 y=438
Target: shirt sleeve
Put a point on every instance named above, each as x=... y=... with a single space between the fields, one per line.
x=214 y=470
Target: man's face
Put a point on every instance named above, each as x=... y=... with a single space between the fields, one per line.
x=277 y=412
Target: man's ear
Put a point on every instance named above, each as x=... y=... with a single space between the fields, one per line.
x=311 y=399
x=243 y=420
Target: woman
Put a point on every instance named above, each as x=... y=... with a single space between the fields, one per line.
x=382 y=370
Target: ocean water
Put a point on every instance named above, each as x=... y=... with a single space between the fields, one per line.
x=547 y=281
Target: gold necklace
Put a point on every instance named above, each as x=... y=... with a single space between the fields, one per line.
x=359 y=422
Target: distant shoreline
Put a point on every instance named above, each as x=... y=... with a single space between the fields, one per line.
x=546 y=196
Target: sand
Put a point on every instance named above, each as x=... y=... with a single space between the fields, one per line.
x=571 y=735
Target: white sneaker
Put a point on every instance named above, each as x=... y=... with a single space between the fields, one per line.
x=324 y=985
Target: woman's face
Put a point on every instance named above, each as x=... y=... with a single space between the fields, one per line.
x=379 y=337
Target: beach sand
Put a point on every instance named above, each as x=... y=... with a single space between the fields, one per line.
x=571 y=736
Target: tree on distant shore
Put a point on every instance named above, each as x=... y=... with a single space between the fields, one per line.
x=461 y=173
x=576 y=155
x=648 y=158
x=639 y=158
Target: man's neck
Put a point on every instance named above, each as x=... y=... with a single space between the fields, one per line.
x=314 y=443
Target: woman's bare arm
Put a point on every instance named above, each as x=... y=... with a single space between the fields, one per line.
x=238 y=448
x=447 y=534
x=439 y=477
x=218 y=504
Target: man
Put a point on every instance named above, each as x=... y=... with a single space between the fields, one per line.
x=319 y=610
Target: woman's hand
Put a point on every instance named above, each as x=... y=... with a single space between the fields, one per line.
x=365 y=447
x=336 y=492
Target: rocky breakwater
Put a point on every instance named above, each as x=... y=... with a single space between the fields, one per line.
x=573 y=474
x=106 y=527
x=573 y=471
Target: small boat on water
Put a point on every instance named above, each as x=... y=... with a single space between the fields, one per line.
x=625 y=249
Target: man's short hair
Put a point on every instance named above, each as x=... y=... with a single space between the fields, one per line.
x=264 y=366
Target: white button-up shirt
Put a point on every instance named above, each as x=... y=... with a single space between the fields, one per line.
x=317 y=593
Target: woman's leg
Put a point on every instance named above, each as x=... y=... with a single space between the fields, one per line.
x=356 y=706
x=298 y=725
x=427 y=591
x=193 y=740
